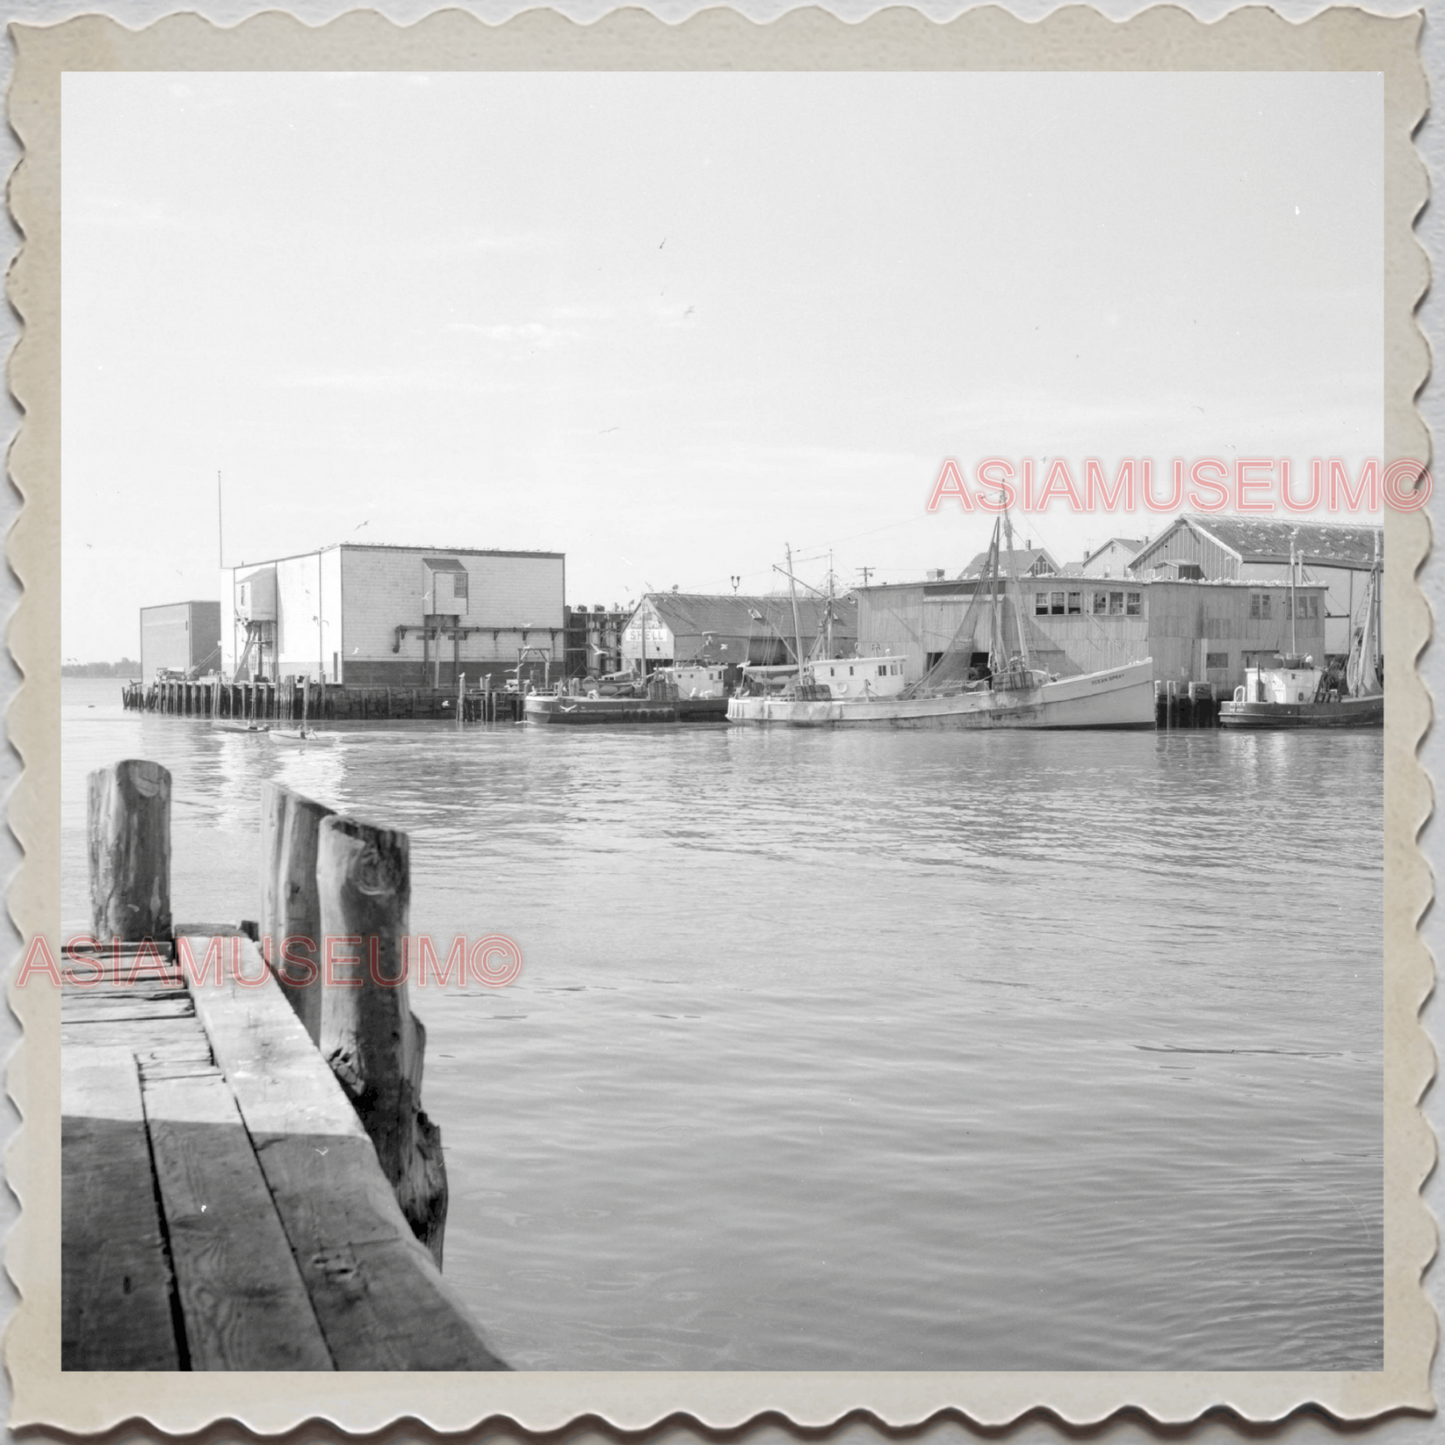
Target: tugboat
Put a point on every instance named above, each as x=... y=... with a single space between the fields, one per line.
x=1297 y=694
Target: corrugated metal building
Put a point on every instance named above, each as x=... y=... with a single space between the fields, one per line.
x=183 y=637
x=730 y=629
x=1239 y=548
x=395 y=616
x=1195 y=631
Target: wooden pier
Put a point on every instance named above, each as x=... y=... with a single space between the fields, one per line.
x=290 y=699
x=225 y=1204
x=1187 y=705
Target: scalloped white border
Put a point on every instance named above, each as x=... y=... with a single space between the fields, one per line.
x=990 y=38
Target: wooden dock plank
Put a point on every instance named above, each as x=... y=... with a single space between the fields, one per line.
x=115 y=1276
x=178 y=1069
x=376 y=1289
x=242 y=1298
x=381 y=1302
x=146 y=988
x=104 y=1010
x=139 y=1039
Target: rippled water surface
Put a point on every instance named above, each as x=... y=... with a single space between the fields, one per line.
x=864 y=1050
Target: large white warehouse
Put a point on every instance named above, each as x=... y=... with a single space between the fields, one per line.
x=371 y=616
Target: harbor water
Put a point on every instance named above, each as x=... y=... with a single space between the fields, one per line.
x=841 y=1051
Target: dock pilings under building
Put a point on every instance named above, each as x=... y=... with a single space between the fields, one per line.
x=288 y=701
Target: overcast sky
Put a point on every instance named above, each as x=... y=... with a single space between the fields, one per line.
x=665 y=323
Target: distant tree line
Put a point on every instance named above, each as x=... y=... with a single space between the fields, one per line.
x=126 y=667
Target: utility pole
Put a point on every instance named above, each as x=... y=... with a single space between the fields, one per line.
x=867 y=573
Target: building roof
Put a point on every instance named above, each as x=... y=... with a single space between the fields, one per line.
x=1257 y=540
x=695 y=613
x=387 y=547
x=1018 y=561
x=1134 y=544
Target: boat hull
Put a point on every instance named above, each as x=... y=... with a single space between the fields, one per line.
x=1120 y=697
x=1349 y=712
x=622 y=711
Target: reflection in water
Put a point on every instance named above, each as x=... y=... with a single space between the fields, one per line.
x=873 y=1051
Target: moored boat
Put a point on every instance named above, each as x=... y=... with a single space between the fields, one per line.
x=664 y=701
x=1011 y=692
x=1295 y=694
x=1119 y=697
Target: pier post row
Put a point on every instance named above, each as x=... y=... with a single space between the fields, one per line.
x=233 y=1198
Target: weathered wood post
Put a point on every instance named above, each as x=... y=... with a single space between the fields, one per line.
x=369 y=1036
x=290 y=904
x=128 y=837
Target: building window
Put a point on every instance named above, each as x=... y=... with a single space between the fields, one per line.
x=1041 y=604
x=1101 y=603
x=1116 y=604
x=1259 y=605
x=1056 y=603
x=882 y=669
x=1076 y=603
x=1216 y=660
x=1132 y=604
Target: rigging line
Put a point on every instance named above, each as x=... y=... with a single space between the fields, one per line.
x=872 y=532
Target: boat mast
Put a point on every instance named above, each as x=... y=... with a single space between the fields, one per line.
x=1293 y=607
x=829 y=622
x=996 y=659
x=1014 y=590
x=797 y=629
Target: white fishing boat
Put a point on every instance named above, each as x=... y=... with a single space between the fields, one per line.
x=1295 y=694
x=843 y=677
x=1011 y=692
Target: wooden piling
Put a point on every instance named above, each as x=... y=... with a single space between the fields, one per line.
x=369 y=1036
x=128 y=837
x=290 y=904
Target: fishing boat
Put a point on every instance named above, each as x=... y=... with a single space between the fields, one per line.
x=662 y=700
x=1011 y=692
x=1294 y=693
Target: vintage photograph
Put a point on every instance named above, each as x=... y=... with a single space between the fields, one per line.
x=723 y=722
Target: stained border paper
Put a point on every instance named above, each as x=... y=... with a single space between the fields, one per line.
x=1254 y=39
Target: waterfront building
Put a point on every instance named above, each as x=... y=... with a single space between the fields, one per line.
x=1195 y=631
x=1111 y=559
x=594 y=639
x=180 y=637
x=667 y=628
x=1025 y=561
x=369 y=616
x=1257 y=549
